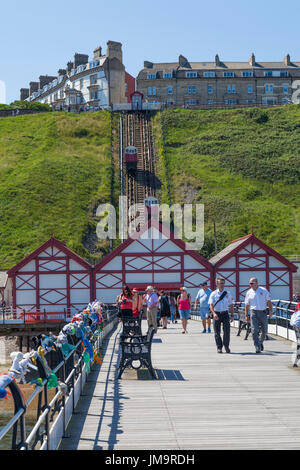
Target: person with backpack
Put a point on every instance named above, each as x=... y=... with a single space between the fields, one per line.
x=220 y=303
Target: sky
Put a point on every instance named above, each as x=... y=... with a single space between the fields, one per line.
x=37 y=38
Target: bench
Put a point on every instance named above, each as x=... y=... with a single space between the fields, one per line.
x=136 y=352
x=244 y=325
x=132 y=325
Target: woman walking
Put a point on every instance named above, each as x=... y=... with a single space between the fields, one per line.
x=164 y=309
x=184 y=308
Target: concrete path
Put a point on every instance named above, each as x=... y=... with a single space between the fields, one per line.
x=202 y=400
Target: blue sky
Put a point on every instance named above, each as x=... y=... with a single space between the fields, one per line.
x=38 y=37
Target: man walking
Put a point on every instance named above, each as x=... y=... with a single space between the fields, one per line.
x=202 y=298
x=220 y=302
x=151 y=300
x=256 y=301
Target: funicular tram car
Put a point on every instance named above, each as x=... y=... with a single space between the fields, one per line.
x=130 y=157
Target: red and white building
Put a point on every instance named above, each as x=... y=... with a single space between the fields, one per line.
x=154 y=258
x=52 y=278
x=249 y=257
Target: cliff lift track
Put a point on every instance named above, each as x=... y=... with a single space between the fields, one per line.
x=136 y=130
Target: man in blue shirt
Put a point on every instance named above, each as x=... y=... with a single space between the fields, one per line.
x=202 y=298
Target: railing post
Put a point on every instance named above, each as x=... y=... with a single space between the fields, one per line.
x=19 y=405
x=23 y=315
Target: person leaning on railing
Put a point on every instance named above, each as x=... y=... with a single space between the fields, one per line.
x=256 y=302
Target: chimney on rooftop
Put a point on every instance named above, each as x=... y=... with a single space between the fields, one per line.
x=252 y=60
x=148 y=65
x=114 y=50
x=24 y=94
x=97 y=52
x=33 y=86
x=61 y=72
x=45 y=79
x=69 y=66
x=287 y=60
x=80 y=59
x=217 y=61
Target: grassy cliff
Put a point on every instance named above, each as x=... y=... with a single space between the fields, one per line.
x=242 y=164
x=54 y=171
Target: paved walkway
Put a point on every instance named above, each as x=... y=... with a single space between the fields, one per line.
x=202 y=400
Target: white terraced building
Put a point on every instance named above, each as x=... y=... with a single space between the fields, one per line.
x=84 y=85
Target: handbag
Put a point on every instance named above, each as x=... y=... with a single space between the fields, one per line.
x=219 y=300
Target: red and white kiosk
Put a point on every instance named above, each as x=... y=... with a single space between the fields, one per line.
x=248 y=257
x=52 y=279
x=152 y=257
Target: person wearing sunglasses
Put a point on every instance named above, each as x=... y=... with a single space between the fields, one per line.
x=256 y=302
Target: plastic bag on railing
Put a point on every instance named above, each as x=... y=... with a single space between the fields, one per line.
x=295 y=319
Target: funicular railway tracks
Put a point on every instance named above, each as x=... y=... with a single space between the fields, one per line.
x=136 y=131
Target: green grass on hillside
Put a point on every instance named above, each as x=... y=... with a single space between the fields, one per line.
x=243 y=165
x=54 y=170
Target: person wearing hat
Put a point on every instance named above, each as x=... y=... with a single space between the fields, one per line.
x=184 y=307
x=151 y=300
x=202 y=298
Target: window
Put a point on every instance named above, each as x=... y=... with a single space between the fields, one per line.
x=93 y=79
x=94 y=63
x=276 y=73
x=154 y=91
x=210 y=102
x=94 y=94
x=228 y=74
x=168 y=75
x=192 y=90
x=210 y=89
x=247 y=74
x=170 y=90
x=170 y=103
x=151 y=76
x=269 y=101
x=209 y=74
x=269 y=89
x=192 y=102
x=230 y=102
x=81 y=83
x=285 y=88
x=250 y=89
x=250 y=101
x=231 y=89
x=191 y=74
x=149 y=91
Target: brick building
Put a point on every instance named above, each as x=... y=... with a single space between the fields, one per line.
x=185 y=83
x=83 y=84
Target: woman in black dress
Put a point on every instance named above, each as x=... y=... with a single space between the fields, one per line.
x=164 y=308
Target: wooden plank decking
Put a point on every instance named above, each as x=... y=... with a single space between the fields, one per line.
x=202 y=400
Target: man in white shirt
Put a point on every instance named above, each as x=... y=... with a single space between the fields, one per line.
x=256 y=302
x=220 y=302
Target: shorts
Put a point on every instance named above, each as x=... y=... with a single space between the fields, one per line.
x=184 y=314
x=204 y=313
